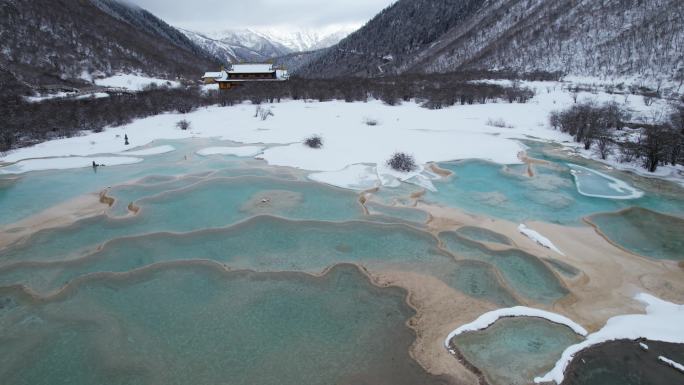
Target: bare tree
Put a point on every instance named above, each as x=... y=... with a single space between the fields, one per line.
x=654 y=146
x=603 y=145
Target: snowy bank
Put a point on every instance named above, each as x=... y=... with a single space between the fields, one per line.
x=487 y=319
x=354 y=177
x=134 y=82
x=66 y=163
x=453 y=133
x=662 y=322
x=236 y=151
x=540 y=239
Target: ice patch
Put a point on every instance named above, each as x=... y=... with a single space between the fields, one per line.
x=662 y=322
x=236 y=151
x=643 y=345
x=487 y=319
x=66 y=163
x=150 y=151
x=354 y=177
x=595 y=184
x=540 y=239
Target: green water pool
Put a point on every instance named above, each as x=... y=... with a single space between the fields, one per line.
x=197 y=324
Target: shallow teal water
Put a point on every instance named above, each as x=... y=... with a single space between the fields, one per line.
x=242 y=214
x=155 y=185
x=550 y=196
x=198 y=325
x=515 y=350
x=208 y=204
x=36 y=191
x=480 y=234
x=644 y=232
x=404 y=213
x=479 y=280
x=308 y=246
x=523 y=272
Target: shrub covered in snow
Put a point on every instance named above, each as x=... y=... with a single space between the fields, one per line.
x=314 y=141
x=370 y=122
x=498 y=123
x=263 y=112
x=402 y=161
x=183 y=124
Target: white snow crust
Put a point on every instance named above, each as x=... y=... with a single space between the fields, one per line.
x=487 y=319
x=150 y=151
x=540 y=239
x=354 y=177
x=66 y=163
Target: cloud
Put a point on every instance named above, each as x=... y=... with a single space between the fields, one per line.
x=212 y=15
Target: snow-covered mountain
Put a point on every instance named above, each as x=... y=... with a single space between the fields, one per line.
x=305 y=40
x=232 y=49
x=254 y=41
x=607 y=38
x=47 y=42
x=263 y=45
x=224 y=52
x=282 y=41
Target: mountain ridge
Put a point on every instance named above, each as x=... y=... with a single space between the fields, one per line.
x=291 y=48
x=46 y=42
x=618 y=38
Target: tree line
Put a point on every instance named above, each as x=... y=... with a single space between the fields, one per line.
x=26 y=123
x=602 y=127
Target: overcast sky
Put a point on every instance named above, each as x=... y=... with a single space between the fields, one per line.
x=214 y=15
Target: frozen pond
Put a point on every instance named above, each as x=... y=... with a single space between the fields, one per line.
x=596 y=184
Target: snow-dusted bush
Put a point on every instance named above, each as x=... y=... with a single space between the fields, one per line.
x=314 y=141
x=498 y=123
x=183 y=124
x=370 y=122
x=402 y=161
x=263 y=112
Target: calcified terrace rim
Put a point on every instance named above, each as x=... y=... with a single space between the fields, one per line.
x=202 y=181
x=90 y=252
x=139 y=273
x=96 y=253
